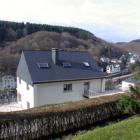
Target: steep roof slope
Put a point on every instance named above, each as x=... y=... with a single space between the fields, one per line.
x=57 y=72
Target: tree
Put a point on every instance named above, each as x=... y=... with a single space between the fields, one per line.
x=3 y=33
x=128 y=105
x=20 y=33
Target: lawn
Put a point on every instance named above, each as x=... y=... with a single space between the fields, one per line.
x=124 y=130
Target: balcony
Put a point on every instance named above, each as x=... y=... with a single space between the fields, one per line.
x=93 y=94
x=90 y=93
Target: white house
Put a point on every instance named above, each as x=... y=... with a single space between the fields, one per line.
x=113 y=68
x=51 y=77
x=8 y=82
x=126 y=84
x=133 y=58
x=105 y=59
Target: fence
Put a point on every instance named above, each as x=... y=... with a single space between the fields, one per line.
x=7 y=98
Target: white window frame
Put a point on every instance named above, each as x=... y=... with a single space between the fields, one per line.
x=67 y=87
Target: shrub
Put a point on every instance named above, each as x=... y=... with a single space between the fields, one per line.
x=128 y=105
x=135 y=91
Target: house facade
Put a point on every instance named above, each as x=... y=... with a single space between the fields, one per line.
x=8 y=82
x=51 y=77
x=113 y=68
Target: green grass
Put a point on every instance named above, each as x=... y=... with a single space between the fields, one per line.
x=124 y=130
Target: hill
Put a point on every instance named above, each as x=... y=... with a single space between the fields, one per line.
x=11 y=31
x=17 y=36
x=132 y=46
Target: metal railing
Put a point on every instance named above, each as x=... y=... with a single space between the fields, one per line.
x=90 y=93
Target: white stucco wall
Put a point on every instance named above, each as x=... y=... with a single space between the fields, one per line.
x=112 y=69
x=126 y=85
x=52 y=93
x=27 y=95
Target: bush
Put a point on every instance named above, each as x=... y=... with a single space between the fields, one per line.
x=128 y=105
x=135 y=91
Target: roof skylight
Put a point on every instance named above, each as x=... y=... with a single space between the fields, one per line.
x=66 y=64
x=43 y=65
x=86 y=64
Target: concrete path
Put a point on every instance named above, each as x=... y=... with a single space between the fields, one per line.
x=10 y=107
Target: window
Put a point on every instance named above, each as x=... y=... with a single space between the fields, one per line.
x=67 y=87
x=67 y=65
x=86 y=64
x=86 y=86
x=43 y=65
x=28 y=105
x=19 y=80
x=27 y=86
x=18 y=97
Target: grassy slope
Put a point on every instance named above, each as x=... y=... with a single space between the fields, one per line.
x=125 y=130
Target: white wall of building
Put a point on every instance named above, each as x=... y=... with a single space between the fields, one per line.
x=113 y=69
x=52 y=93
x=27 y=94
x=126 y=85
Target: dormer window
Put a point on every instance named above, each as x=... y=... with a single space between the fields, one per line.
x=43 y=65
x=66 y=64
x=86 y=64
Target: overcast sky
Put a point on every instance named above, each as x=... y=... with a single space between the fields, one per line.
x=113 y=20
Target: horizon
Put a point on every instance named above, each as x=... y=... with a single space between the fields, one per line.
x=108 y=20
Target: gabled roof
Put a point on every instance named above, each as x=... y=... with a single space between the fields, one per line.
x=54 y=73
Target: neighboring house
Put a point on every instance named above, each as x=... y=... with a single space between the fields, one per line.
x=128 y=83
x=51 y=77
x=8 y=82
x=105 y=59
x=133 y=58
x=113 y=68
x=114 y=60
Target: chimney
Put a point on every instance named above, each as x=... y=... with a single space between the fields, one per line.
x=55 y=55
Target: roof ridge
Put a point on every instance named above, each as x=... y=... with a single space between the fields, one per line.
x=58 y=50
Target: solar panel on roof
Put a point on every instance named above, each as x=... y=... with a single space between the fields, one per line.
x=43 y=65
x=67 y=64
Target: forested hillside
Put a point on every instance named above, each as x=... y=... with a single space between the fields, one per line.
x=17 y=36
x=132 y=46
x=10 y=31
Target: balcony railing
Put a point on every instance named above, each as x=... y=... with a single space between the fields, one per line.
x=90 y=93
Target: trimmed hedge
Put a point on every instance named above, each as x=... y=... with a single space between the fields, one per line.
x=50 y=120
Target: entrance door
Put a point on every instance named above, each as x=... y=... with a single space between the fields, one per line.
x=86 y=87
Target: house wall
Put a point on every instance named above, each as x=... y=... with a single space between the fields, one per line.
x=52 y=93
x=8 y=82
x=26 y=94
x=24 y=80
x=126 y=85
x=112 y=69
